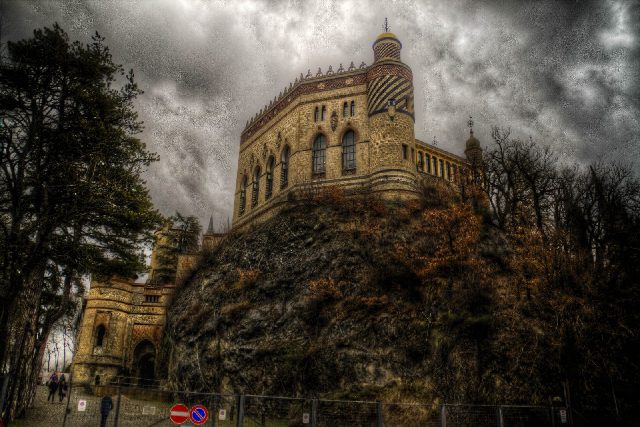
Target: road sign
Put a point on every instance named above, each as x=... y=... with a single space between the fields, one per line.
x=179 y=413
x=82 y=405
x=199 y=415
x=222 y=414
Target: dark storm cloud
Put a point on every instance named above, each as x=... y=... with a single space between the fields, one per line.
x=564 y=73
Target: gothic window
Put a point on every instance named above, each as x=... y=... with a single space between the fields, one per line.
x=345 y=109
x=284 y=167
x=353 y=108
x=100 y=333
x=319 y=153
x=349 y=150
x=256 y=187
x=404 y=151
x=427 y=161
x=270 y=165
x=420 y=161
x=243 y=194
x=316 y=115
x=324 y=113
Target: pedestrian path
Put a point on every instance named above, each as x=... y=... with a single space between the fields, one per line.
x=42 y=413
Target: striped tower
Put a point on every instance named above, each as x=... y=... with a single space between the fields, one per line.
x=391 y=118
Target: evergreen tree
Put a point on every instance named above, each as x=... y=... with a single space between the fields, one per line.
x=72 y=200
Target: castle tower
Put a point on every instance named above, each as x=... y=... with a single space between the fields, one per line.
x=391 y=118
x=473 y=153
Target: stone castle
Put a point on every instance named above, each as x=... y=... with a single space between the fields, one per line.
x=350 y=128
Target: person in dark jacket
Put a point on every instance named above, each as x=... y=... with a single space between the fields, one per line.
x=62 y=387
x=106 y=405
x=53 y=386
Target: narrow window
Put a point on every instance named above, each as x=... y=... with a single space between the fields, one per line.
x=243 y=194
x=404 y=151
x=100 y=333
x=349 y=150
x=435 y=166
x=324 y=113
x=345 y=109
x=316 y=115
x=427 y=161
x=256 y=187
x=151 y=298
x=269 y=189
x=284 y=167
x=441 y=168
x=420 y=161
x=455 y=172
x=319 y=148
x=449 y=171
x=353 y=108
x=413 y=155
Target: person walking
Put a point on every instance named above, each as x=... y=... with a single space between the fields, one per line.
x=53 y=386
x=106 y=405
x=62 y=387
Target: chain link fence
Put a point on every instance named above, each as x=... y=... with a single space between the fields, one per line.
x=134 y=405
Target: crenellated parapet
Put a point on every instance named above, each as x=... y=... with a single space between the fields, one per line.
x=303 y=85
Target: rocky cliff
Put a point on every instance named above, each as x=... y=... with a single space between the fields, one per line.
x=337 y=297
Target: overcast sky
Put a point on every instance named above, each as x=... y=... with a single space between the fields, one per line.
x=563 y=73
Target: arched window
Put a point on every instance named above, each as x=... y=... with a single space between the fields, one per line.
x=243 y=194
x=316 y=115
x=349 y=150
x=284 y=167
x=256 y=187
x=427 y=161
x=319 y=149
x=345 y=109
x=420 y=161
x=100 y=333
x=353 y=108
x=324 y=113
x=441 y=174
x=435 y=166
x=268 y=190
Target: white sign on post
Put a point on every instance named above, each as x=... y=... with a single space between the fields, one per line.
x=305 y=418
x=82 y=405
x=222 y=414
x=563 y=416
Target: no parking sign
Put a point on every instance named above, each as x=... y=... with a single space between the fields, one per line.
x=199 y=415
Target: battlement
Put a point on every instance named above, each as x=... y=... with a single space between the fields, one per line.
x=302 y=85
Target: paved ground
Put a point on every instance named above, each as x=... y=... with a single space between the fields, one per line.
x=43 y=413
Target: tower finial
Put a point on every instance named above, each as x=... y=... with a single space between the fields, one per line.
x=386 y=26
x=210 y=228
x=470 y=124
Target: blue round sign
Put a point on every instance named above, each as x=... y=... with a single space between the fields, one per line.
x=199 y=414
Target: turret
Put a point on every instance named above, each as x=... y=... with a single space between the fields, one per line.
x=391 y=114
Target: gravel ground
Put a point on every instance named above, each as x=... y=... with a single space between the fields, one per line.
x=42 y=413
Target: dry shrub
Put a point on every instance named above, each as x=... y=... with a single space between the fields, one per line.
x=373 y=301
x=324 y=288
x=333 y=196
x=246 y=278
x=233 y=309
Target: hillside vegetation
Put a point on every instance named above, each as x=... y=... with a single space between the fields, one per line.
x=430 y=300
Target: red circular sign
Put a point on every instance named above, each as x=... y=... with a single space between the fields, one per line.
x=179 y=413
x=199 y=415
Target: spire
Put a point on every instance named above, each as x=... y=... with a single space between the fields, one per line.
x=470 y=124
x=210 y=228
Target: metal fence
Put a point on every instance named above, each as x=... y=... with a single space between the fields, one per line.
x=138 y=406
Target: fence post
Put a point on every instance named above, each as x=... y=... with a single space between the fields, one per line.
x=116 y=421
x=314 y=413
x=499 y=416
x=553 y=416
x=443 y=415
x=215 y=410
x=240 y=419
x=378 y=413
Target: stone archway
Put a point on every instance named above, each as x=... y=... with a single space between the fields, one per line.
x=144 y=362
